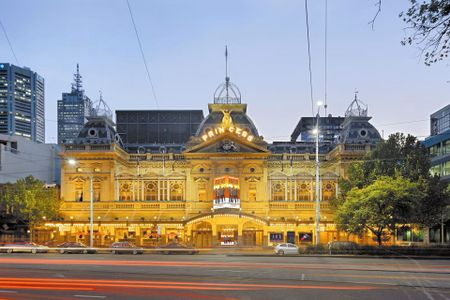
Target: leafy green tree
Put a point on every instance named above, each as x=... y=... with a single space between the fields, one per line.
x=378 y=207
x=429 y=24
x=398 y=155
x=433 y=204
x=28 y=200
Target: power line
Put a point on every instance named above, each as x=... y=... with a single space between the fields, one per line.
x=326 y=57
x=9 y=43
x=400 y=123
x=143 y=56
x=309 y=57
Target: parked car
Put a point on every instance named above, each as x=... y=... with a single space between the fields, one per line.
x=286 y=248
x=25 y=247
x=126 y=247
x=177 y=248
x=75 y=247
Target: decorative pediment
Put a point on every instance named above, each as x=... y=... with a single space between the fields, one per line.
x=329 y=175
x=277 y=174
x=80 y=178
x=201 y=179
x=252 y=179
x=227 y=144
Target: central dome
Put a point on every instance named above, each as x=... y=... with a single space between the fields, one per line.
x=227 y=93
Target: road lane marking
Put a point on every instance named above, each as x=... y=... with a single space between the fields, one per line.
x=90 y=296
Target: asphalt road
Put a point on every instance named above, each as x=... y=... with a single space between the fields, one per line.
x=103 y=276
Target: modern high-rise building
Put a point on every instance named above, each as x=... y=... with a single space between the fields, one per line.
x=22 y=103
x=438 y=143
x=73 y=110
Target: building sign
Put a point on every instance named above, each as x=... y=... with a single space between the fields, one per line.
x=242 y=133
x=227 y=126
x=276 y=237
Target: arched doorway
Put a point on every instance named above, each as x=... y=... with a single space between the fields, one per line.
x=252 y=234
x=202 y=235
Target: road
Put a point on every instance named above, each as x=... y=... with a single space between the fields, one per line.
x=150 y=276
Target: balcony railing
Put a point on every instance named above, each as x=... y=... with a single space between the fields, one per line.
x=114 y=205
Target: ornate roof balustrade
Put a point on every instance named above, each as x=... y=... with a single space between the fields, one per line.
x=122 y=205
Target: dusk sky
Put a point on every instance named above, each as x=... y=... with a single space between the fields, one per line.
x=184 y=46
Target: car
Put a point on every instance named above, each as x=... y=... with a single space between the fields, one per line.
x=177 y=248
x=125 y=247
x=74 y=247
x=286 y=248
x=25 y=247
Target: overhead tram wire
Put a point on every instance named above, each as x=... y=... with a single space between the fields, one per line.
x=9 y=42
x=309 y=57
x=326 y=58
x=143 y=56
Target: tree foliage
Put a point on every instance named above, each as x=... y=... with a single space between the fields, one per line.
x=397 y=157
x=429 y=24
x=378 y=207
x=28 y=200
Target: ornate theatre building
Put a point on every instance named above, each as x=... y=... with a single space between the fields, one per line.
x=222 y=186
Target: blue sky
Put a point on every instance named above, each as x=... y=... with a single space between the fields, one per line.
x=184 y=46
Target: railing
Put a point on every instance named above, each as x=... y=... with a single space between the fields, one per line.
x=298 y=206
x=177 y=205
x=88 y=147
x=174 y=205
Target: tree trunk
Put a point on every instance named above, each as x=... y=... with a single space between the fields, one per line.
x=379 y=238
x=426 y=235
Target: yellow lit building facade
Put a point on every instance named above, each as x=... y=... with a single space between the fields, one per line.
x=226 y=187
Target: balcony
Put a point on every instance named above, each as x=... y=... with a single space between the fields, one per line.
x=116 y=205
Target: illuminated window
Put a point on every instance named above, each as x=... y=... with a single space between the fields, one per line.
x=202 y=192
x=328 y=190
x=278 y=190
x=252 y=192
x=151 y=191
x=125 y=191
x=79 y=192
x=303 y=191
x=176 y=190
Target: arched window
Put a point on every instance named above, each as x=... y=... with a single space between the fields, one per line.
x=151 y=191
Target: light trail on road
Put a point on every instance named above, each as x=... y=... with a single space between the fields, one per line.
x=94 y=284
x=141 y=263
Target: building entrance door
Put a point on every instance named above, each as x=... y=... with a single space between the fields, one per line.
x=202 y=239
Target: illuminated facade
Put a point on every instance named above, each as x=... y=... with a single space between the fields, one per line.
x=227 y=187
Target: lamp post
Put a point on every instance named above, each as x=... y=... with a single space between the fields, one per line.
x=73 y=162
x=316 y=131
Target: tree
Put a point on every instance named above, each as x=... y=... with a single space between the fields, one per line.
x=28 y=200
x=378 y=207
x=398 y=155
x=433 y=205
x=429 y=22
x=403 y=156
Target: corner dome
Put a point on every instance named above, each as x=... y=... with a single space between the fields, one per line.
x=98 y=130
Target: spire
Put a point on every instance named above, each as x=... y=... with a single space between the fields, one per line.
x=77 y=84
x=102 y=109
x=227 y=92
x=357 y=108
x=227 y=79
x=226 y=62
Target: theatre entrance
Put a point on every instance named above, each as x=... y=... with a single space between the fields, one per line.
x=202 y=235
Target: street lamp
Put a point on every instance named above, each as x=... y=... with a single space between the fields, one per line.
x=316 y=132
x=73 y=162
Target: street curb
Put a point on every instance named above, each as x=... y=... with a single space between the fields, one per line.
x=346 y=256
